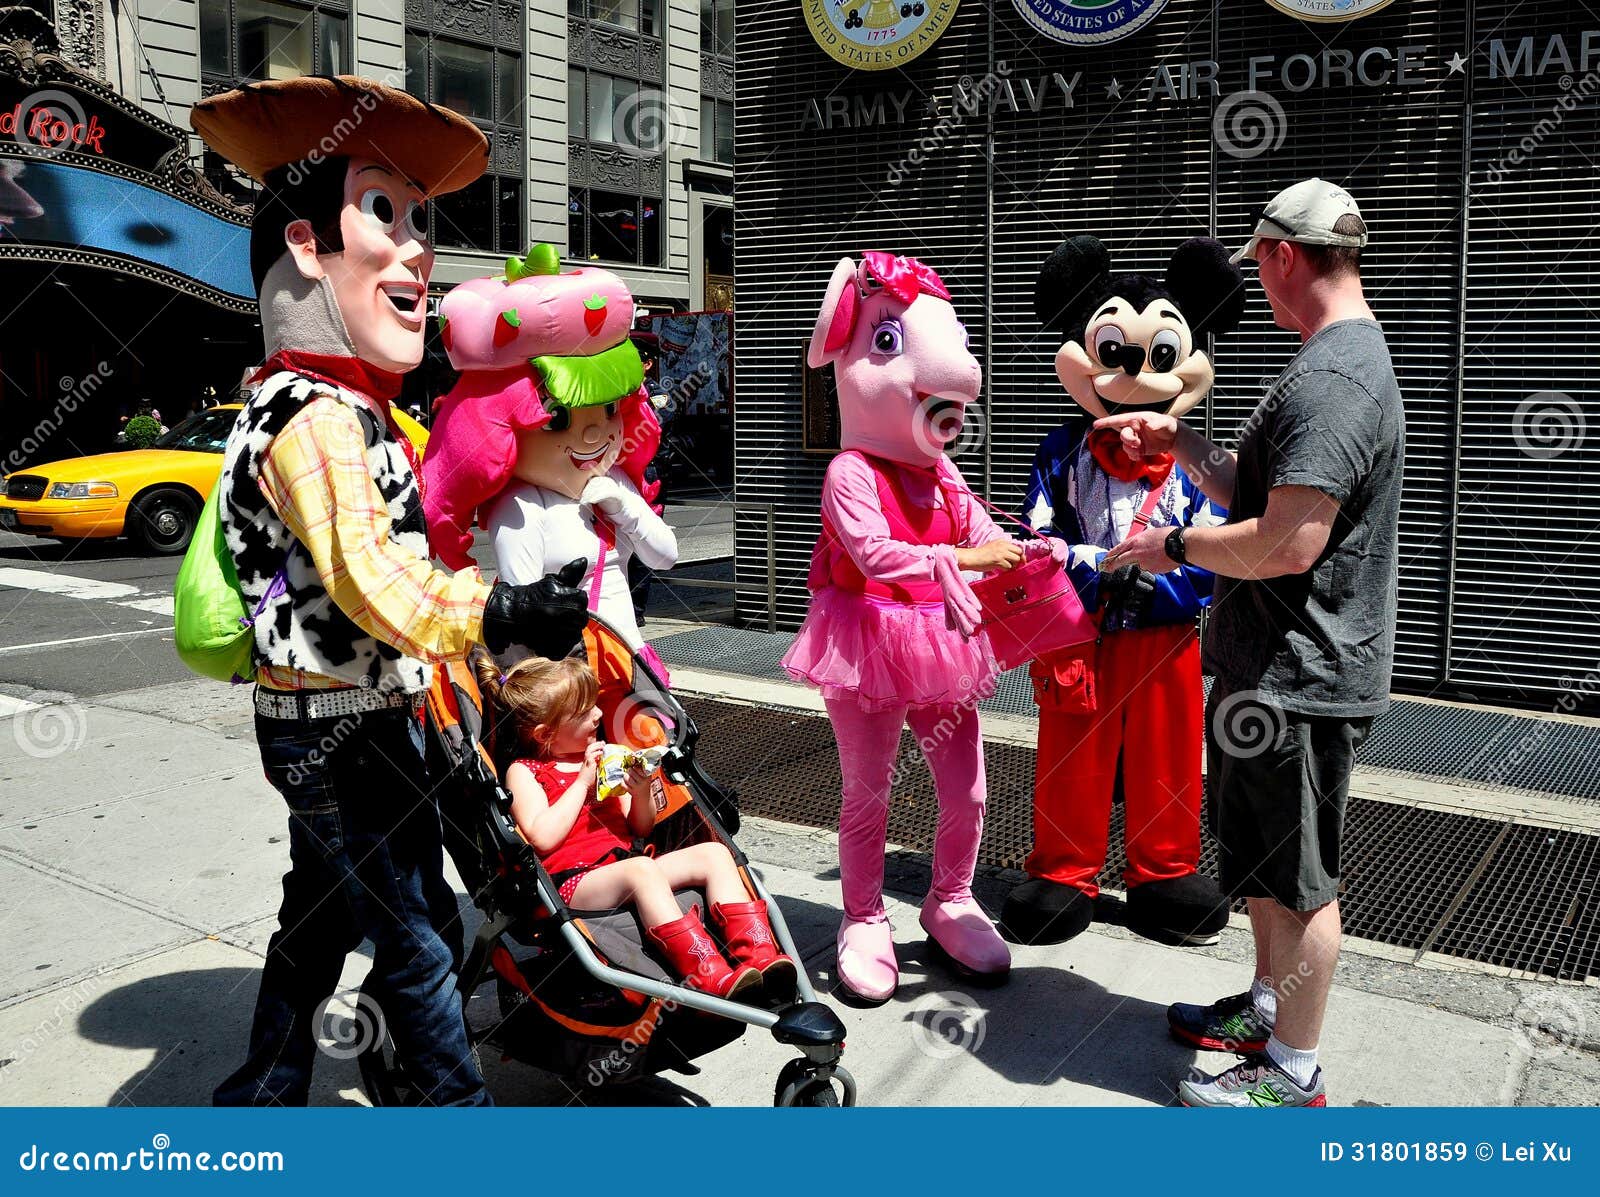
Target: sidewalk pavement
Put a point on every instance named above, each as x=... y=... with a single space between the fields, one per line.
x=140 y=852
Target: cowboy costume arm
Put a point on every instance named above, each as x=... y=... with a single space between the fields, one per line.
x=316 y=478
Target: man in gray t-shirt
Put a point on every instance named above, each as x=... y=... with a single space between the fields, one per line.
x=1320 y=642
x=1301 y=638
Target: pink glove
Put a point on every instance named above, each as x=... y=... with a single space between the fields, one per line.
x=962 y=611
x=1057 y=550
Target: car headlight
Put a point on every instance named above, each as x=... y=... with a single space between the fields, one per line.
x=84 y=490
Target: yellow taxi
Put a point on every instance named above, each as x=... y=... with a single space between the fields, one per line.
x=153 y=495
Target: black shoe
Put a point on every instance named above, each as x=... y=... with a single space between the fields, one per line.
x=1043 y=912
x=1188 y=911
x=1230 y=1025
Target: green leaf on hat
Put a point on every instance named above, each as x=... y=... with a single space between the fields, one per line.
x=605 y=377
x=511 y=317
x=595 y=302
x=543 y=258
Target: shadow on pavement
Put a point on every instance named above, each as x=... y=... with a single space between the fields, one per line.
x=197 y=1024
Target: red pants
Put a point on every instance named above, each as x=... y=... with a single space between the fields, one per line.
x=1150 y=708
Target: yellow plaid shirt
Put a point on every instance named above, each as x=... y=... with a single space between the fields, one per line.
x=315 y=476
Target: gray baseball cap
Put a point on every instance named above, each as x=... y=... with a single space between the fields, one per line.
x=1308 y=213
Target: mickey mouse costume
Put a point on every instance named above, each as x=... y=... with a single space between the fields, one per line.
x=1131 y=702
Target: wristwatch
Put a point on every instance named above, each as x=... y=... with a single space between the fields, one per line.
x=1175 y=546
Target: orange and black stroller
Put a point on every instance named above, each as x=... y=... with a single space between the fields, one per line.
x=578 y=993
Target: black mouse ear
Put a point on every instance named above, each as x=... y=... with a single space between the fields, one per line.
x=1209 y=289
x=1068 y=284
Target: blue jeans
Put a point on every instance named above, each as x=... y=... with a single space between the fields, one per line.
x=366 y=862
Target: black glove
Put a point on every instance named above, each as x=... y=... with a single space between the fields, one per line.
x=1128 y=590
x=548 y=615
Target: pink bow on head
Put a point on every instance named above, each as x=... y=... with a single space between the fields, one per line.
x=904 y=278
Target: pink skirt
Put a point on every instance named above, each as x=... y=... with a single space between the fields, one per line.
x=885 y=654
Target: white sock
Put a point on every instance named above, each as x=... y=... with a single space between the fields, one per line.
x=1266 y=999
x=1301 y=1065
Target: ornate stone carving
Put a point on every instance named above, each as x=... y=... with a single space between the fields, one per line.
x=651 y=176
x=419 y=12
x=613 y=170
x=512 y=24
x=80 y=27
x=716 y=77
x=506 y=153
x=614 y=50
x=29 y=48
x=474 y=18
x=650 y=60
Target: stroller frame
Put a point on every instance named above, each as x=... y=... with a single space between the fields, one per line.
x=525 y=891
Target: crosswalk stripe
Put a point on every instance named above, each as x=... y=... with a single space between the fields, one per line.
x=65 y=585
x=160 y=604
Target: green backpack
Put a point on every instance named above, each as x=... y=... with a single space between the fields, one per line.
x=213 y=626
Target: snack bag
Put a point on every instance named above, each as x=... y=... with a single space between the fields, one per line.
x=612 y=777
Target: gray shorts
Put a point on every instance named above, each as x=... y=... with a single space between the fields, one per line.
x=1279 y=782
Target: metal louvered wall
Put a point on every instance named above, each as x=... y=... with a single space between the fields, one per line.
x=1484 y=265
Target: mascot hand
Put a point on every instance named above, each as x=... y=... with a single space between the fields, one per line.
x=548 y=616
x=1047 y=546
x=1129 y=589
x=962 y=611
x=606 y=494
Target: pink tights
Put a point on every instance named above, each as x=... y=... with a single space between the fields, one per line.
x=952 y=744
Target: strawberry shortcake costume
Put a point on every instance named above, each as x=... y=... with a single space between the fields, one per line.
x=545 y=438
x=892 y=634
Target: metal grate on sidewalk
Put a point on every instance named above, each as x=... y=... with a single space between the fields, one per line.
x=1522 y=898
x=1495 y=748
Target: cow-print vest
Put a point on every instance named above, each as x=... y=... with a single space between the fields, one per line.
x=301 y=627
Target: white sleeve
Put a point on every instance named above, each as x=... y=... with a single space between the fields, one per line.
x=648 y=535
x=517 y=525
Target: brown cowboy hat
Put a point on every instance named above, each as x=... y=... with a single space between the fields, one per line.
x=262 y=126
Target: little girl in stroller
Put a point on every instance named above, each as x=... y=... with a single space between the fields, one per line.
x=589 y=843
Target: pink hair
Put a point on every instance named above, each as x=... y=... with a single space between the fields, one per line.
x=472 y=450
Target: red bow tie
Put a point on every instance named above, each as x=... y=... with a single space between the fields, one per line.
x=1105 y=445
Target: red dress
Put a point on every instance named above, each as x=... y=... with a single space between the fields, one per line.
x=599 y=835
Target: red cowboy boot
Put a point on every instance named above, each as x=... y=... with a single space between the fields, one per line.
x=749 y=939
x=692 y=954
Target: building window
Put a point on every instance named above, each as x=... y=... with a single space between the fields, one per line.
x=481 y=78
x=618 y=126
x=642 y=16
x=716 y=28
x=247 y=40
x=716 y=130
x=614 y=226
x=716 y=81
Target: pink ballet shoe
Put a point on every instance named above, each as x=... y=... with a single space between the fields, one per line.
x=967 y=939
x=867 y=967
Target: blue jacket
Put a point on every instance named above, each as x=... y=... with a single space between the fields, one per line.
x=1071 y=498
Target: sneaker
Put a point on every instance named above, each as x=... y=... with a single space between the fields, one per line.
x=1230 y=1025
x=1253 y=1081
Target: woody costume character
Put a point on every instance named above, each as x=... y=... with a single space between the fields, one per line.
x=322 y=510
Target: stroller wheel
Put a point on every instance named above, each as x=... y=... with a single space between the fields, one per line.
x=803 y=1083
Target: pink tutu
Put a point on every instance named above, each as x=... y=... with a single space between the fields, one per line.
x=885 y=654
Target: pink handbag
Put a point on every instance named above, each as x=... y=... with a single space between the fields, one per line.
x=1032 y=610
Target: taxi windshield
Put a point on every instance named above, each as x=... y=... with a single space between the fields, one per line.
x=203 y=432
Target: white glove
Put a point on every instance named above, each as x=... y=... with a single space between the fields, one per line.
x=605 y=494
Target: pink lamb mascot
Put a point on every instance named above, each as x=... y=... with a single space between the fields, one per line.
x=892 y=633
x=545 y=437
